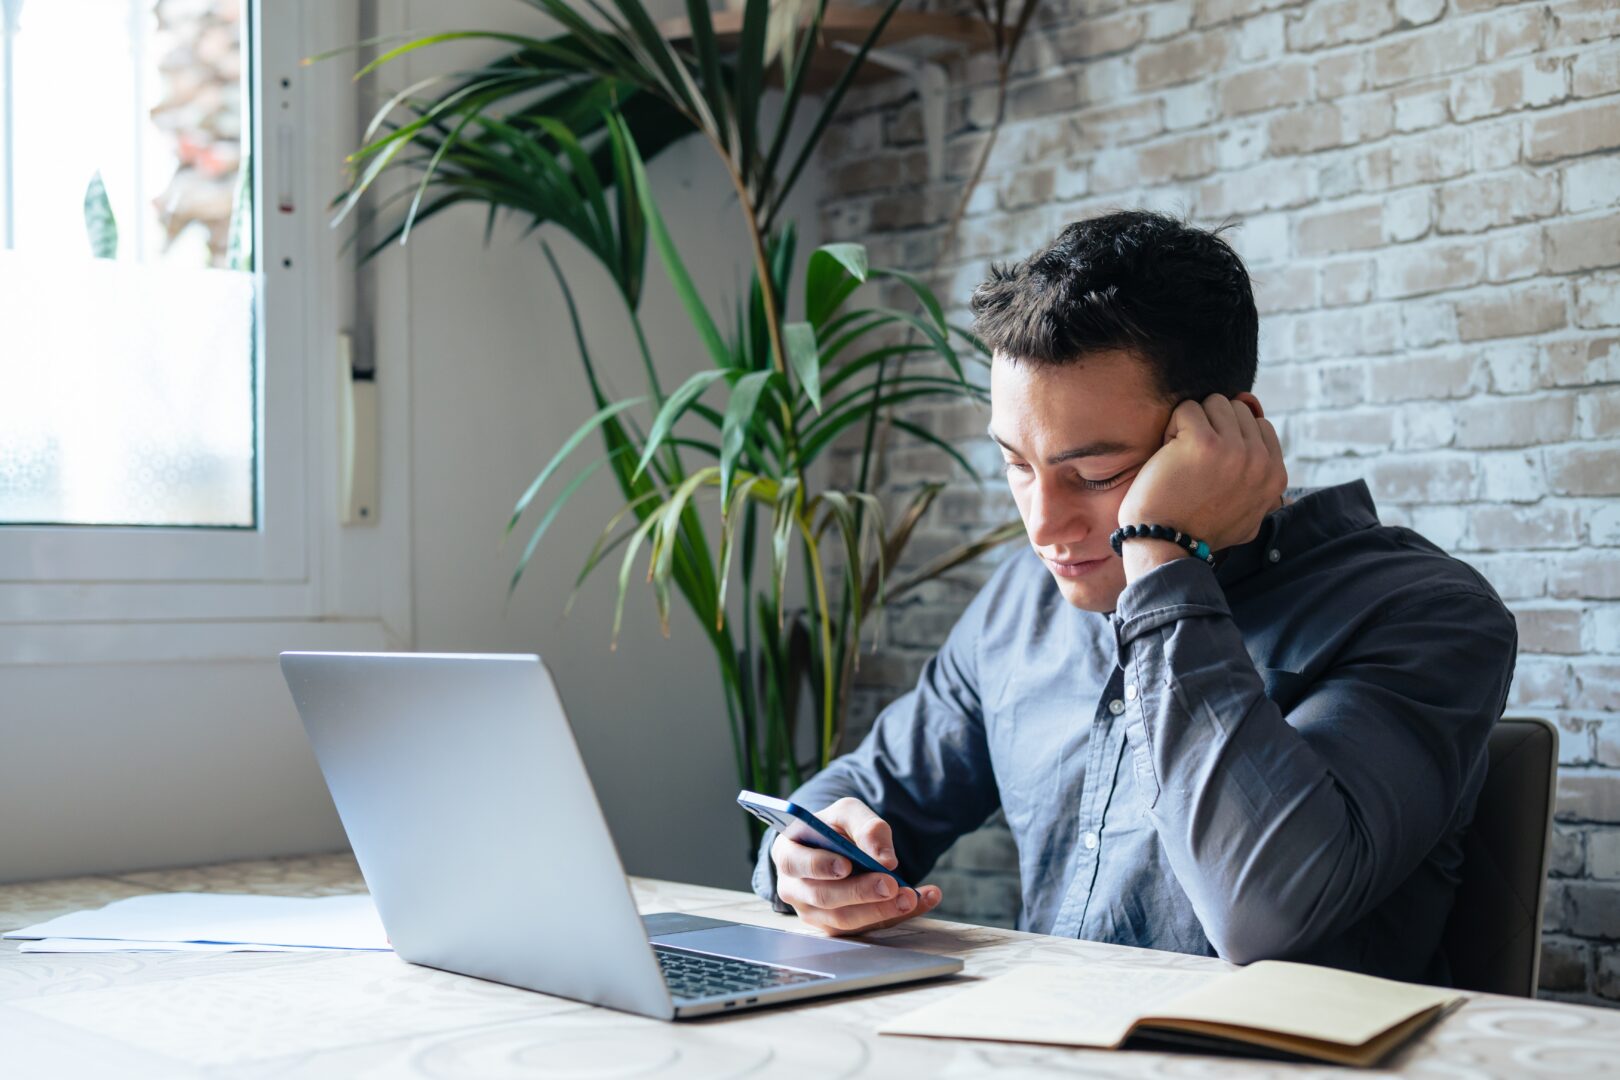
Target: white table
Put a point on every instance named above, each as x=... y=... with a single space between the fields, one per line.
x=370 y=1015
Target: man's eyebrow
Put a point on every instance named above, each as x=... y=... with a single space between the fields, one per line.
x=1095 y=448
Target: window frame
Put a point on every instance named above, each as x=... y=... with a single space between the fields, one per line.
x=298 y=563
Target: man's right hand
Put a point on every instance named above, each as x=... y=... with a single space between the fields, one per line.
x=826 y=892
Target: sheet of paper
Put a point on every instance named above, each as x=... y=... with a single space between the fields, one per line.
x=105 y=945
x=1304 y=1000
x=1058 y=1004
x=328 y=922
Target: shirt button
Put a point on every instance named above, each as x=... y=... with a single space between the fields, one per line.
x=1090 y=840
x=1116 y=706
x=1130 y=692
x=1274 y=555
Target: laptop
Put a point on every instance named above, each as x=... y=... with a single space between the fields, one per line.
x=475 y=825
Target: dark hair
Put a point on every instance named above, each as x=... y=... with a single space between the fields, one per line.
x=1175 y=294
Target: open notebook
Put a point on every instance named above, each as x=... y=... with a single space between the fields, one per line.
x=1271 y=1006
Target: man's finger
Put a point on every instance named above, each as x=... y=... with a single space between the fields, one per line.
x=1268 y=435
x=860 y=920
x=1247 y=425
x=794 y=859
x=1189 y=417
x=1218 y=407
x=863 y=890
x=870 y=833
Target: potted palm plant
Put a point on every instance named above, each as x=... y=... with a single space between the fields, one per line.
x=720 y=474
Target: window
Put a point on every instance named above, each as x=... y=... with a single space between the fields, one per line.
x=127 y=357
x=171 y=306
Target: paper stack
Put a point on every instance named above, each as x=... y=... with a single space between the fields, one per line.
x=212 y=922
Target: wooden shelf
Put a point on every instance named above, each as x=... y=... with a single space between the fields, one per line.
x=915 y=34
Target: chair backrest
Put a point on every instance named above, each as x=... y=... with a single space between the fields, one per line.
x=1493 y=937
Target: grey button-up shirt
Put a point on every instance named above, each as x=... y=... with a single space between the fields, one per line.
x=1273 y=758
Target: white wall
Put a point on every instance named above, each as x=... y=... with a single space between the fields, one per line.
x=109 y=767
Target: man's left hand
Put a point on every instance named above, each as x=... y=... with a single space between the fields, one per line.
x=1218 y=474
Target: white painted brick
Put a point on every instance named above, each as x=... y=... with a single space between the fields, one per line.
x=1513 y=368
x=1422 y=107
x=1546 y=80
x=1335 y=22
x=983 y=199
x=1603 y=525
x=1517 y=255
x=1442 y=525
x=1073 y=181
x=1595 y=73
x=1188 y=107
x=1339 y=384
x=1399 y=517
x=1574 y=737
x=1327 y=472
x=1511 y=476
x=1604 y=620
x=1599 y=412
x=1241 y=145
x=1276 y=340
x=1407 y=215
x=1348 y=281
x=1603 y=853
x=1271 y=185
x=1261 y=38
x=1513 y=33
x=1597 y=300
x=1418 y=12
x=1108 y=79
x=1426 y=268
x=1262 y=238
x=1515 y=577
x=1592 y=184
x=1339 y=176
x=1168 y=19
x=1496 y=145
x=1478 y=203
x=1427 y=427
x=1167 y=199
x=1426 y=323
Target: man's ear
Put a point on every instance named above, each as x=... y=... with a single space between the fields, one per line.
x=1252 y=402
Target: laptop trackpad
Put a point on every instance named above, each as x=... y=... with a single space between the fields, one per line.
x=764 y=946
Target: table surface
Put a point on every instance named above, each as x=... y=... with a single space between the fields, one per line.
x=355 y=1014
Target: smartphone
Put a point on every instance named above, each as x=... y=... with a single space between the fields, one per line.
x=803 y=827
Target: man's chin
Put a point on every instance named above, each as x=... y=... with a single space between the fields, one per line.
x=1099 y=592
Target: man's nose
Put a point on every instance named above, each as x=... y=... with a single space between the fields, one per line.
x=1052 y=519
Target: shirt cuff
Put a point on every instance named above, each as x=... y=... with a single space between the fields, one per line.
x=1165 y=594
x=765 y=876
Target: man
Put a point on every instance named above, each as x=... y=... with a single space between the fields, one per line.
x=1259 y=738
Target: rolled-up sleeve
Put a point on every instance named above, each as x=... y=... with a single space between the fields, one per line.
x=925 y=766
x=1283 y=830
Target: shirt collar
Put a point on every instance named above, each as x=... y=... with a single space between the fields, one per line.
x=1315 y=516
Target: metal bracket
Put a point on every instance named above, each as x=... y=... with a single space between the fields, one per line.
x=357 y=439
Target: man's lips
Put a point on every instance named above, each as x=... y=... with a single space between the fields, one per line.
x=1074 y=568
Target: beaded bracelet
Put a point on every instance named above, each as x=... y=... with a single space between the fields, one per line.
x=1159 y=532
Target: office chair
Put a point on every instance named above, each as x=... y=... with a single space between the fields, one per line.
x=1493 y=938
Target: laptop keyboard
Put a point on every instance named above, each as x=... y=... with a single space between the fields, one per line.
x=698 y=975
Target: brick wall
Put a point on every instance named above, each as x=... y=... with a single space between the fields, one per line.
x=1429 y=193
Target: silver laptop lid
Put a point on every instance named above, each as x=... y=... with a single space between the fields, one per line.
x=470 y=812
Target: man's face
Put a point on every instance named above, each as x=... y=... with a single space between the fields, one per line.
x=1073 y=437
